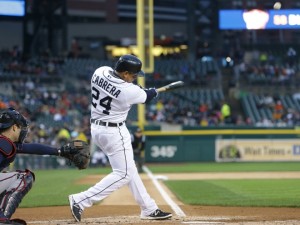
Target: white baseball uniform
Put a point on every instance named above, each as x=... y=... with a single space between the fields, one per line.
x=112 y=99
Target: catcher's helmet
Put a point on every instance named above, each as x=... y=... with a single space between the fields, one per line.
x=9 y=117
x=129 y=63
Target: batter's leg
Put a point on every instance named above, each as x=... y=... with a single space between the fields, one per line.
x=140 y=193
x=113 y=181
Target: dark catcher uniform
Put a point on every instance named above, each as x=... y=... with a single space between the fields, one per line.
x=15 y=185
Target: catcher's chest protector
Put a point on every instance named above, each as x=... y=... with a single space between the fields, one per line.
x=8 y=150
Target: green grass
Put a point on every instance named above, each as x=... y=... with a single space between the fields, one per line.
x=52 y=187
x=275 y=193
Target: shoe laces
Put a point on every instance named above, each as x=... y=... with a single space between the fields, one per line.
x=156 y=212
x=76 y=205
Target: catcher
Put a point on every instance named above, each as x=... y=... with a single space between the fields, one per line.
x=15 y=185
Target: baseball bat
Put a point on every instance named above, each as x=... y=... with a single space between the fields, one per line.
x=171 y=86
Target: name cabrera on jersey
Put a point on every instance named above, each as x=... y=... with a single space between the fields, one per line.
x=113 y=97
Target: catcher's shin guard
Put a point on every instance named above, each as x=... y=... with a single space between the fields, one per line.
x=13 y=198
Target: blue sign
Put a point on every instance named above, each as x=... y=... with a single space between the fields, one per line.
x=257 y=19
x=12 y=7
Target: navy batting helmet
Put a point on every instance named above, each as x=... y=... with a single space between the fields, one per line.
x=9 y=117
x=129 y=63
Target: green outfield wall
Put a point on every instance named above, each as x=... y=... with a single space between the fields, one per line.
x=197 y=145
x=226 y=144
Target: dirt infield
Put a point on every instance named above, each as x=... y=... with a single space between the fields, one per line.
x=120 y=207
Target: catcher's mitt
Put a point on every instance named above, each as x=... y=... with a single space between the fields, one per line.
x=78 y=152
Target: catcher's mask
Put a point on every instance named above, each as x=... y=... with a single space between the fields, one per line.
x=9 y=117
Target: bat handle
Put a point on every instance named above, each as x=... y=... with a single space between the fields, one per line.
x=161 y=89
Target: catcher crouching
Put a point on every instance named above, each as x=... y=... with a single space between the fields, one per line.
x=16 y=184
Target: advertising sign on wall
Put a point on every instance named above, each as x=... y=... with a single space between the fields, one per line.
x=257 y=150
x=257 y=19
x=12 y=7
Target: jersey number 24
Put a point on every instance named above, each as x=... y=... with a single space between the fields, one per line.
x=104 y=102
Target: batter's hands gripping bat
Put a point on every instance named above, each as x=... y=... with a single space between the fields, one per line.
x=170 y=86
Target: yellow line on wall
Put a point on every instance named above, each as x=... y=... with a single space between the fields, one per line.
x=222 y=132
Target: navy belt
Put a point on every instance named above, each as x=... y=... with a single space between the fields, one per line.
x=108 y=124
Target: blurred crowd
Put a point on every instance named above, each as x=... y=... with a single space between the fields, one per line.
x=264 y=67
x=282 y=114
x=14 y=62
x=46 y=107
x=203 y=114
x=63 y=105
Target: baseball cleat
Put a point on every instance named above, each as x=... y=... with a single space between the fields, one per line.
x=157 y=215
x=75 y=209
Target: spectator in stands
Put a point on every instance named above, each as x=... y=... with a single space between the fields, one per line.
x=204 y=121
x=63 y=135
x=29 y=84
x=203 y=109
x=16 y=52
x=278 y=111
x=249 y=121
x=75 y=49
x=57 y=116
x=264 y=122
x=82 y=136
x=296 y=96
x=226 y=112
x=189 y=119
x=263 y=58
x=2 y=104
x=266 y=101
x=291 y=56
x=290 y=117
x=41 y=133
x=159 y=105
x=240 y=120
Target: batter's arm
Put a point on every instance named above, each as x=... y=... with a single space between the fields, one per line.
x=151 y=93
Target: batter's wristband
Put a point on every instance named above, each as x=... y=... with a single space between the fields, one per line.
x=151 y=93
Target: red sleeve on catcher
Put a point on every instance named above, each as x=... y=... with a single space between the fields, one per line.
x=7 y=147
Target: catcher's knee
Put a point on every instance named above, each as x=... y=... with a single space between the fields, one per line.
x=10 y=199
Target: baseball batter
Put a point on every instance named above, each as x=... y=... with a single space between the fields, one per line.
x=113 y=94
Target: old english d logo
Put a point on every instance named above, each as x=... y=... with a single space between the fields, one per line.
x=229 y=152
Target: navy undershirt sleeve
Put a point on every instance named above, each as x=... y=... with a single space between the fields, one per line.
x=151 y=93
x=37 y=149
